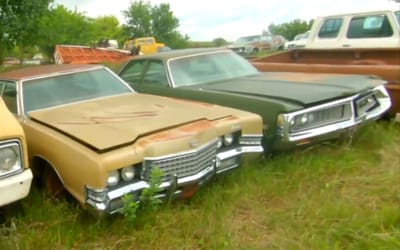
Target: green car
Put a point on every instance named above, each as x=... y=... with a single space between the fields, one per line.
x=297 y=108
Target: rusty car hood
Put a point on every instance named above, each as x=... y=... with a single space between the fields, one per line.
x=299 y=88
x=110 y=122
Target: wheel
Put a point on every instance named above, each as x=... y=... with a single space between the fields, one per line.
x=51 y=183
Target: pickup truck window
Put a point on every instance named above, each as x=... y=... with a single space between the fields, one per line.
x=369 y=26
x=330 y=28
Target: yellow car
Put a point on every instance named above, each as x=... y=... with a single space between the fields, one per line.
x=90 y=133
x=15 y=174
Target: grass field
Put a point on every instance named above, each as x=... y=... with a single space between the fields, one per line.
x=342 y=195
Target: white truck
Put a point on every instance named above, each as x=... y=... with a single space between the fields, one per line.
x=376 y=29
x=355 y=43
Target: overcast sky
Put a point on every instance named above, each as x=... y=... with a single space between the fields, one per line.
x=205 y=20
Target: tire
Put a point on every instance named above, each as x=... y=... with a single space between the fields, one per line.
x=51 y=183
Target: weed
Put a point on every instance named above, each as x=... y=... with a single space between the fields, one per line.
x=147 y=200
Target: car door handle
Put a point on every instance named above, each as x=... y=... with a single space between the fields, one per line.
x=346 y=45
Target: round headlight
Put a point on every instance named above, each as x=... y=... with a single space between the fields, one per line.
x=219 y=142
x=8 y=158
x=113 y=178
x=304 y=119
x=128 y=173
x=228 y=139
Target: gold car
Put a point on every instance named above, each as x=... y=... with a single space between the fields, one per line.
x=15 y=174
x=90 y=133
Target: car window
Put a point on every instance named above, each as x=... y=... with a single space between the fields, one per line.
x=330 y=28
x=73 y=87
x=397 y=14
x=155 y=74
x=211 y=67
x=369 y=26
x=8 y=91
x=133 y=71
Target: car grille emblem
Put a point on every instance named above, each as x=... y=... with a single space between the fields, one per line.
x=194 y=143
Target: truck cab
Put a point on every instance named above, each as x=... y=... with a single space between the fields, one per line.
x=145 y=45
x=376 y=29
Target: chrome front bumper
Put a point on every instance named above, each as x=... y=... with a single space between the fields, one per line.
x=15 y=187
x=334 y=129
x=110 y=201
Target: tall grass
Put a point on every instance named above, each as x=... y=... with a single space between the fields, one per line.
x=341 y=195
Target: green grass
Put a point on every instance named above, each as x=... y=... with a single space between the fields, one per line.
x=342 y=195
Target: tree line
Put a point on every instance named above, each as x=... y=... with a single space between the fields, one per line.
x=29 y=26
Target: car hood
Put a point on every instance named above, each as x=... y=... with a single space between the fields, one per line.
x=299 y=88
x=110 y=122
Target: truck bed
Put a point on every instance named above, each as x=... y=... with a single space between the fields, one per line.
x=384 y=63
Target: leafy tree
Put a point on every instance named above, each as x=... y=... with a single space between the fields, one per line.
x=63 y=26
x=106 y=27
x=158 y=21
x=18 y=22
x=217 y=42
x=291 y=29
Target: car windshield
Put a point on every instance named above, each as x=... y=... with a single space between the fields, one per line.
x=72 y=87
x=211 y=67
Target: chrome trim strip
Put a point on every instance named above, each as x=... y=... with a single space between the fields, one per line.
x=238 y=151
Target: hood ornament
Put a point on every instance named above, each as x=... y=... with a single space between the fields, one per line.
x=194 y=143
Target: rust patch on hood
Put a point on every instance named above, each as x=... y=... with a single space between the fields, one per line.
x=113 y=117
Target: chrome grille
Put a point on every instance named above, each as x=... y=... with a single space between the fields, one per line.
x=322 y=117
x=184 y=164
x=333 y=114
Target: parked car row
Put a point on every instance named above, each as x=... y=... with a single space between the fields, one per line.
x=253 y=44
x=89 y=132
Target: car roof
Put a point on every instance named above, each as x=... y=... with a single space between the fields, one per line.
x=45 y=70
x=179 y=53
